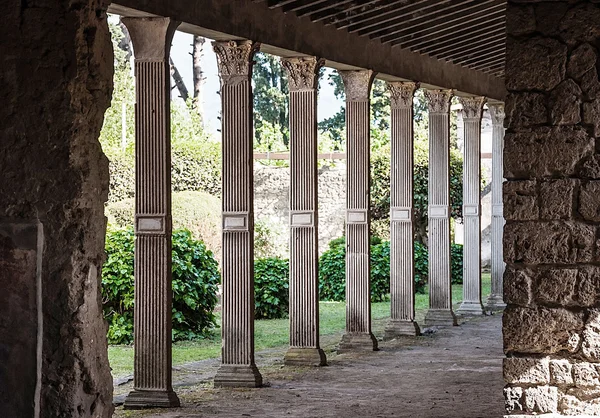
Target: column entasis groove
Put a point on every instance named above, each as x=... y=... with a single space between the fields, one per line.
x=440 y=288
x=402 y=318
x=238 y=368
x=358 y=335
x=151 y=38
x=304 y=348
x=472 y=113
x=496 y=300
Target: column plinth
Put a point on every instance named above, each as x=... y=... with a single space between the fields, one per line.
x=304 y=348
x=402 y=275
x=238 y=368
x=472 y=113
x=496 y=300
x=358 y=336
x=440 y=286
x=151 y=39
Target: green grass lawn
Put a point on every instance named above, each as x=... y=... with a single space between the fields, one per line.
x=274 y=332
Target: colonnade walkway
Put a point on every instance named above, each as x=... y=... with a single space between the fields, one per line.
x=455 y=372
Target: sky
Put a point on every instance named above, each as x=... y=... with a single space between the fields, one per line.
x=181 y=51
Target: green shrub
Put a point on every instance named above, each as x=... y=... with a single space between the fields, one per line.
x=456 y=263
x=271 y=288
x=195 y=285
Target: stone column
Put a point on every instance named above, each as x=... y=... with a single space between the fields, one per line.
x=440 y=290
x=358 y=336
x=304 y=254
x=472 y=113
x=237 y=369
x=151 y=39
x=495 y=301
x=402 y=274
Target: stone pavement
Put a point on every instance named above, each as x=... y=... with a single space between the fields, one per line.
x=451 y=373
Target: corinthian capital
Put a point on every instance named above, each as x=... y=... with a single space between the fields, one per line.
x=402 y=93
x=497 y=113
x=357 y=84
x=472 y=106
x=438 y=101
x=235 y=59
x=302 y=72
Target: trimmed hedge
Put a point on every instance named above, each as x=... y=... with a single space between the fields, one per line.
x=271 y=288
x=195 y=285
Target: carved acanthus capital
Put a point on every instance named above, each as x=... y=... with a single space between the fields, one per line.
x=357 y=84
x=302 y=72
x=438 y=101
x=497 y=113
x=235 y=60
x=472 y=107
x=402 y=93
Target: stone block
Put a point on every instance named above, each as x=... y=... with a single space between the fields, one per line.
x=541 y=330
x=526 y=370
x=545 y=152
x=585 y=375
x=520 y=20
x=561 y=372
x=556 y=286
x=589 y=167
x=535 y=64
x=589 y=201
x=520 y=200
x=541 y=399
x=580 y=24
x=589 y=84
x=517 y=286
x=565 y=104
x=548 y=243
x=582 y=59
x=556 y=199
x=525 y=109
x=591 y=115
x=548 y=16
x=590 y=346
x=579 y=402
x=588 y=285
x=513 y=399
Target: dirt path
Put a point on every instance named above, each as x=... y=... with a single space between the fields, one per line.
x=453 y=373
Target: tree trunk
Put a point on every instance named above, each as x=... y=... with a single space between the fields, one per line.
x=179 y=83
x=198 y=74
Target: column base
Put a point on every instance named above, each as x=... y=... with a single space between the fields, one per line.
x=238 y=376
x=398 y=327
x=358 y=341
x=495 y=303
x=471 y=309
x=141 y=399
x=440 y=318
x=296 y=356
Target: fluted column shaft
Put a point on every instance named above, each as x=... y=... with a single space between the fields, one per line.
x=357 y=85
x=402 y=274
x=472 y=113
x=238 y=368
x=440 y=290
x=304 y=254
x=151 y=39
x=496 y=301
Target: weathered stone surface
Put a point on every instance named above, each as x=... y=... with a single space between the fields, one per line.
x=526 y=370
x=565 y=104
x=541 y=399
x=556 y=242
x=517 y=286
x=541 y=330
x=520 y=200
x=589 y=201
x=556 y=286
x=590 y=346
x=548 y=16
x=589 y=167
x=588 y=286
x=535 y=64
x=582 y=59
x=513 y=399
x=519 y=20
x=545 y=152
x=561 y=372
x=585 y=374
x=591 y=115
x=590 y=86
x=525 y=109
x=580 y=23
x=570 y=404
x=556 y=199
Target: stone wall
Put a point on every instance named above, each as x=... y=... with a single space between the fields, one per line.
x=552 y=207
x=55 y=81
x=271 y=203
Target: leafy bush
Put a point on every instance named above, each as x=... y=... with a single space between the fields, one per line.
x=271 y=288
x=195 y=285
x=456 y=263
